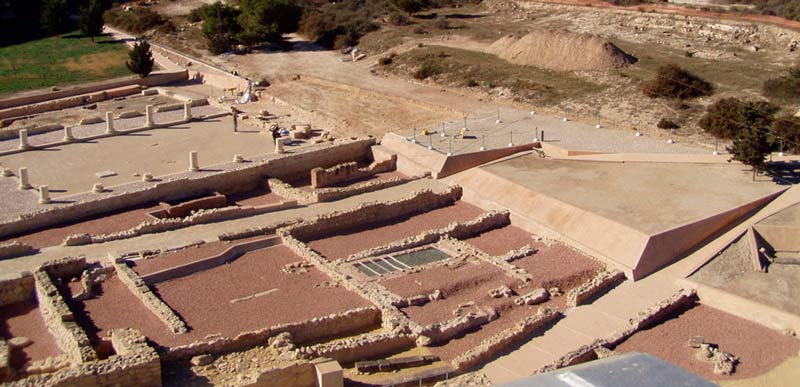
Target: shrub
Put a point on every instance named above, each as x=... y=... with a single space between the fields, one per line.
x=723 y=119
x=672 y=81
x=386 y=60
x=350 y=19
x=472 y=83
x=398 y=19
x=441 y=23
x=196 y=14
x=786 y=88
x=427 y=70
x=408 y=6
x=140 y=59
x=267 y=20
x=787 y=128
x=137 y=20
x=667 y=124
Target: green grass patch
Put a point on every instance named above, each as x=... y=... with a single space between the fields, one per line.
x=465 y=68
x=60 y=60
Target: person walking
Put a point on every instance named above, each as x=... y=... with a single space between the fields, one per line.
x=235 y=119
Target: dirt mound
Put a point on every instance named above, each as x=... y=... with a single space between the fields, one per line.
x=561 y=50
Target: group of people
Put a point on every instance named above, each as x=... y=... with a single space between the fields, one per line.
x=276 y=131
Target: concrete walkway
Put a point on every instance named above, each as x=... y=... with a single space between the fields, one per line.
x=210 y=232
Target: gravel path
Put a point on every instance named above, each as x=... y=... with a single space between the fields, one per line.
x=758 y=348
x=82 y=131
x=352 y=241
x=24 y=319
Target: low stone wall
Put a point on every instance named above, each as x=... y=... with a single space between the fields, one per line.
x=68 y=267
x=7 y=134
x=167 y=224
x=185 y=209
x=500 y=262
x=374 y=212
x=16 y=287
x=364 y=347
x=600 y=282
x=459 y=230
x=14 y=249
x=5 y=361
x=60 y=321
x=444 y=331
x=263 y=230
x=135 y=364
x=180 y=105
x=492 y=346
x=321 y=177
x=143 y=292
x=680 y=300
x=285 y=190
x=235 y=178
x=315 y=329
x=333 y=194
x=228 y=255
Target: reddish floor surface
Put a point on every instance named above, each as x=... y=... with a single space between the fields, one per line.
x=114 y=307
x=352 y=241
x=558 y=265
x=759 y=349
x=107 y=224
x=25 y=319
x=203 y=299
x=258 y=197
x=502 y=240
x=161 y=262
x=470 y=282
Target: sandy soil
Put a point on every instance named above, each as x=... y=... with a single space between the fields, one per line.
x=759 y=349
x=106 y=224
x=501 y=240
x=23 y=319
x=204 y=299
x=352 y=241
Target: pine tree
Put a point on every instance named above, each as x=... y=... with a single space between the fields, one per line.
x=140 y=59
x=91 y=20
x=752 y=144
x=55 y=16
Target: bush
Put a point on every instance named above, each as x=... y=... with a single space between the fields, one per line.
x=787 y=128
x=343 y=23
x=196 y=14
x=441 y=23
x=672 y=81
x=408 y=6
x=427 y=70
x=472 y=83
x=398 y=19
x=140 y=59
x=267 y=20
x=786 y=88
x=723 y=119
x=667 y=124
x=386 y=60
x=137 y=20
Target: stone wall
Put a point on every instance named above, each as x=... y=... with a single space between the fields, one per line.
x=363 y=347
x=236 y=178
x=374 y=212
x=60 y=321
x=600 y=282
x=5 y=361
x=321 y=177
x=16 y=287
x=294 y=375
x=332 y=194
x=135 y=364
x=67 y=267
x=446 y=330
x=285 y=190
x=185 y=209
x=459 y=230
x=493 y=345
x=14 y=249
x=339 y=324
x=72 y=97
x=500 y=262
x=150 y=300
x=201 y=71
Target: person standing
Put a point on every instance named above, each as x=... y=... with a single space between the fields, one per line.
x=235 y=119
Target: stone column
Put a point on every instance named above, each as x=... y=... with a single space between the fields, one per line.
x=193 y=165
x=238 y=159
x=147 y=177
x=98 y=188
x=148 y=112
x=187 y=111
x=279 y=145
x=68 y=134
x=44 y=194
x=109 y=122
x=23 y=139
x=24 y=182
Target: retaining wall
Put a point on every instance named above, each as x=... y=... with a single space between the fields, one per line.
x=321 y=177
x=60 y=321
x=14 y=249
x=16 y=287
x=364 y=347
x=599 y=283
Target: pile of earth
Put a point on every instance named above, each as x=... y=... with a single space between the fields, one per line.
x=562 y=51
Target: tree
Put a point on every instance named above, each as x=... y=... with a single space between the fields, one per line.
x=220 y=27
x=786 y=129
x=267 y=20
x=55 y=16
x=722 y=118
x=672 y=81
x=752 y=143
x=140 y=59
x=91 y=19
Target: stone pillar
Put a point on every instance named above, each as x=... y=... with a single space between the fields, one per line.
x=238 y=159
x=279 y=145
x=23 y=139
x=68 y=134
x=44 y=194
x=147 y=177
x=329 y=374
x=187 y=111
x=24 y=183
x=109 y=122
x=148 y=112
x=193 y=165
x=98 y=188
